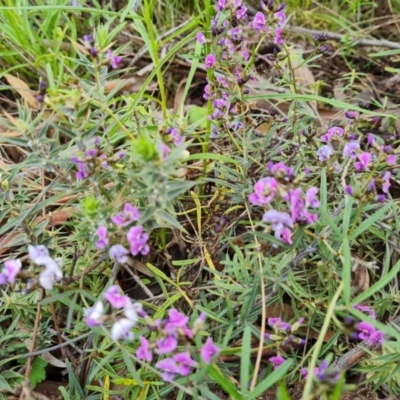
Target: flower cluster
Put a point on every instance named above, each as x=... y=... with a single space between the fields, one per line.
x=111 y=58
x=324 y=374
x=280 y=186
x=344 y=143
x=90 y=161
x=39 y=255
x=136 y=237
x=283 y=335
x=173 y=333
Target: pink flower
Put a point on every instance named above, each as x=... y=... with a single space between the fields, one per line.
x=103 y=240
x=201 y=38
x=209 y=350
x=258 y=22
x=311 y=197
x=277 y=361
x=10 y=271
x=169 y=368
x=130 y=214
x=138 y=241
x=166 y=345
x=363 y=163
x=391 y=159
x=350 y=149
x=334 y=131
x=281 y=17
x=264 y=191
x=176 y=320
x=114 y=60
x=143 y=352
x=184 y=362
x=210 y=61
x=115 y=298
x=278 y=36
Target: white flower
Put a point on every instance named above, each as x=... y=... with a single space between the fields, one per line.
x=38 y=254
x=51 y=272
x=94 y=314
x=131 y=311
x=122 y=329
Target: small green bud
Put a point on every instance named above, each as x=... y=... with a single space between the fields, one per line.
x=90 y=206
x=146 y=148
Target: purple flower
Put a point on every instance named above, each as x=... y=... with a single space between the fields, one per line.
x=210 y=61
x=176 y=320
x=38 y=254
x=115 y=298
x=350 y=149
x=165 y=150
x=386 y=182
x=280 y=170
x=371 y=139
x=391 y=159
x=363 y=163
x=207 y=92
x=377 y=338
x=143 y=352
x=367 y=309
x=278 y=219
x=278 y=36
x=103 y=240
x=201 y=38
x=184 y=362
x=209 y=350
x=334 y=131
x=241 y=12
x=94 y=314
x=122 y=329
x=221 y=5
x=119 y=253
x=258 y=22
x=349 y=190
x=114 y=60
x=138 y=241
x=51 y=272
x=327 y=375
x=169 y=368
x=366 y=330
x=311 y=197
x=166 y=345
x=324 y=152
x=264 y=191
x=277 y=361
x=278 y=324
x=351 y=115
x=10 y=271
x=130 y=214
x=281 y=17
x=175 y=136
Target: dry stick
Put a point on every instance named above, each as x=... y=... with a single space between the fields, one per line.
x=33 y=342
x=341 y=37
x=57 y=329
x=138 y=281
x=353 y=356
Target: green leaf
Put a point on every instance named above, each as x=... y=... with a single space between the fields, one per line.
x=245 y=359
x=347 y=265
x=198 y=115
x=370 y=221
x=38 y=371
x=224 y=382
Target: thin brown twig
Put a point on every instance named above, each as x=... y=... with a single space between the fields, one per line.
x=33 y=342
x=342 y=37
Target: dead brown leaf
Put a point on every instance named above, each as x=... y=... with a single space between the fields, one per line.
x=23 y=90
